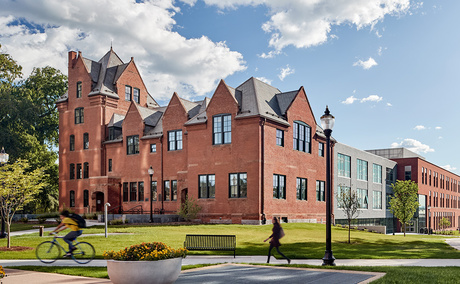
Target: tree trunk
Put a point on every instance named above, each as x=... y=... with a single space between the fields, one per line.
x=8 y=243
x=349 y=229
x=404 y=229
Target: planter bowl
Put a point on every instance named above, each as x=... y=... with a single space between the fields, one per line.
x=144 y=272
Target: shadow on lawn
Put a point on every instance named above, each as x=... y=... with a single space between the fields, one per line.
x=358 y=249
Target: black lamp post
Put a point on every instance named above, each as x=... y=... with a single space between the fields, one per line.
x=327 y=122
x=150 y=170
x=3 y=159
x=429 y=219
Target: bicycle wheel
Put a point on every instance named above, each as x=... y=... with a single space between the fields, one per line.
x=84 y=252
x=48 y=252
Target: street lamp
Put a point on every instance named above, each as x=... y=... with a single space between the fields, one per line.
x=429 y=219
x=327 y=122
x=3 y=159
x=150 y=170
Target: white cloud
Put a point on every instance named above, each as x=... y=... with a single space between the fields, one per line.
x=390 y=105
x=449 y=168
x=309 y=23
x=167 y=60
x=265 y=80
x=349 y=100
x=285 y=72
x=438 y=128
x=413 y=145
x=368 y=64
x=419 y=127
x=372 y=98
x=440 y=137
x=270 y=54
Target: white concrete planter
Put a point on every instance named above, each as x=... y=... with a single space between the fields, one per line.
x=144 y=272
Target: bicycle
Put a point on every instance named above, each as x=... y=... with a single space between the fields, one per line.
x=50 y=251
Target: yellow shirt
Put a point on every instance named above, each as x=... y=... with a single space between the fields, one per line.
x=71 y=224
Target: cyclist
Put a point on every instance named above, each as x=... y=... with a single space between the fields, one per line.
x=67 y=222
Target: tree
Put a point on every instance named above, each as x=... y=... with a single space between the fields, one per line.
x=29 y=123
x=404 y=203
x=348 y=201
x=444 y=223
x=18 y=186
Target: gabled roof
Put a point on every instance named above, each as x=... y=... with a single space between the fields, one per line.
x=109 y=66
x=201 y=116
x=116 y=120
x=150 y=116
x=257 y=98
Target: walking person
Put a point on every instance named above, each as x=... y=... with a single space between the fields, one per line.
x=275 y=239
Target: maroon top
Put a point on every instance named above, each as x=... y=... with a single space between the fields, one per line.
x=275 y=241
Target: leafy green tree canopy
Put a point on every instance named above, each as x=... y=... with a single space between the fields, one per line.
x=404 y=203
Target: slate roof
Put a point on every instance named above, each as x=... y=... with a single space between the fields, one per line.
x=116 y=120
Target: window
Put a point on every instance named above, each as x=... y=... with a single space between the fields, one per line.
x=174 y=190
x=136 y=95
x=407 y=173
x=222 y=129
x=390 y=176
x=140 y=194
x=343 y=165
x=377 y=200
x=72 y=143
x=279 y=186
x=85 y=141
x=114 y=132
x=321 y=149
x=153 y=148
x=125 y=192
x=72 y=171
x=110 y=165
x=166 y=192
x=132 y=145
x=320 y=190
x=79 y=173
x=207 y=186
x=79 y=115
x=72 y=198
x=154 y=191
x=362 y=170
x=302 y=137
x=342 y=189
x=85 y=198
x=280 y=137
x=174 y=140
x=362 y=198
x=78 y=89
x=127 y=93
x=86 y=170
x=132 y=191
x=238 y=185
x=301 y=189
x=377 y=173
x=423 y=175
x=388 y=196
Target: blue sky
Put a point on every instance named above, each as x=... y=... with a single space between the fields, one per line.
x=388 y=69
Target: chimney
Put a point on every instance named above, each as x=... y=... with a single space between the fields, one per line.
x=72 y=59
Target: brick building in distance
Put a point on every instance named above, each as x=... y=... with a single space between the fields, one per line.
x=246 y=154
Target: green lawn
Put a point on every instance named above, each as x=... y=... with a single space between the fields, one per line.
x=301 y=241
x=28 y=226
x=407 y=275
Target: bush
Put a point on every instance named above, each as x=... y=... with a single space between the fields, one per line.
x=41 y=219
x=117 y=222
x=23 y=220
x=189 y=209
x=145 y=251
x=90 y=216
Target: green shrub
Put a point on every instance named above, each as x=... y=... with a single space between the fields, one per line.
x=23 y=220
x=145 y=251
x=189 y=209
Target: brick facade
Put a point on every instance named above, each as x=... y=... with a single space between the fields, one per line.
x=183 y=135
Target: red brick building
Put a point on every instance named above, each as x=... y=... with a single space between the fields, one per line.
x=248 y=153
x=438 y=189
